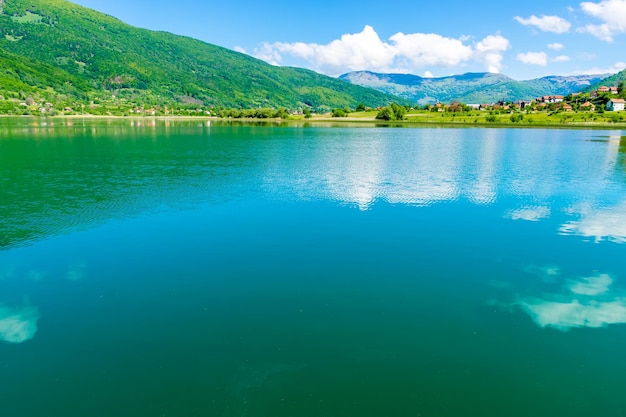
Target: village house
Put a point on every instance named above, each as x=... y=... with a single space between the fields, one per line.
x=550 y=99
x=616 y=104
x=588 y=106
x=604 y=89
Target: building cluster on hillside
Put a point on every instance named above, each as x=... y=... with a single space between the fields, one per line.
x=613 y=104
x=583 y=102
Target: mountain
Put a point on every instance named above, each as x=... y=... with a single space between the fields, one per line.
x=612 y=81
x=469 y=88
x=57 y=51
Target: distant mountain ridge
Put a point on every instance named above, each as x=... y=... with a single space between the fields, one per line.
x=57 y=51
x=470 y=87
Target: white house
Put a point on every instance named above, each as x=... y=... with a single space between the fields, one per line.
x=616 y=104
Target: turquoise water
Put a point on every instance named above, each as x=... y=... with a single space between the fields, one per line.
x=192 y=268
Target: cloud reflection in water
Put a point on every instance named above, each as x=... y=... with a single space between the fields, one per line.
x=18 y=325
x=587 y=302
x=602 y=224
x=531 y=214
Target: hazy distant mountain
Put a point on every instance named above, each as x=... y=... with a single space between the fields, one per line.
x=470 y=87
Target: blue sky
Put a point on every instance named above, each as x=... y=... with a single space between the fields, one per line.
x=522 y=39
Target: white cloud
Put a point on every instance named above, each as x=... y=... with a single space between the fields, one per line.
x=587 y=302
x=428 y=74
x=615 y=68
x=532 y=214
x=602 y=32
x=18 y=325
x=605 y=224
x=612 y=14
x=545 y=23
x=365 y=50
x=561 y=58
x=534 y=58
x=350 y=52
x=431 y=49
x=490 y=50
x=556 y=46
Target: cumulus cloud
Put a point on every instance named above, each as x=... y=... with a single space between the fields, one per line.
x=18 y=325
x=611 y=13
x=351 y=51
x=533 y=58
x=556 y=46
x=545 y=23
x=490 y=50
x=423 y=49
x=602 y=224
x=365 y=50
x=586 y=302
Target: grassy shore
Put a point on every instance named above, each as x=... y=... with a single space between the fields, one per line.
x=414 y=118
x=614 y=120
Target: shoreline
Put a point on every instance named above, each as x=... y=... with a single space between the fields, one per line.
x=340 y=121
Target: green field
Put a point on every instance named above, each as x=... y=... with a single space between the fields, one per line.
x=487 y=118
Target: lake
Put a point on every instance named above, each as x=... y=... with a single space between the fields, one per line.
x=201 y=268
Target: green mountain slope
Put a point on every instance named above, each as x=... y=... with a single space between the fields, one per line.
x=612 y=81
x=58 y=51
x=470 y=87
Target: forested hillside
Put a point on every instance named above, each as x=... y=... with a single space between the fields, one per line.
x=56 y=52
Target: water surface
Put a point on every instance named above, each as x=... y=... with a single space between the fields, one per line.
x=193 y=268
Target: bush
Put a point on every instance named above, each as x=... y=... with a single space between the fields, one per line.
x=339 y=113
x=392 y=112
x=385 y=114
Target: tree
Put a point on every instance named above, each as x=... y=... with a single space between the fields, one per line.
x=398 y=111
x=360 y=107
x=621 y=89
x=339 y=113
x=385 y=114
